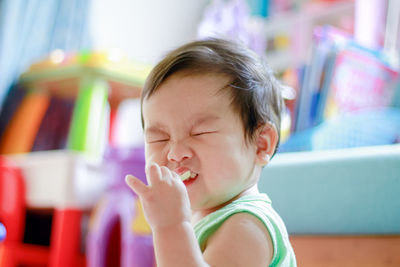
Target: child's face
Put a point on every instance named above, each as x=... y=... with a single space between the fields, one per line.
x=191 y=125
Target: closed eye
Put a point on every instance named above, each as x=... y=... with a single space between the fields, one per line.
x=203 y=133
x=157 y=141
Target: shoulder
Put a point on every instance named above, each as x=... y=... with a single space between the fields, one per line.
x=242 y=240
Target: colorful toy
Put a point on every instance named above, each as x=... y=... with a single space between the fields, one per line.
x=93 y=79
x=53 y=131
x=66 y=185
x=20 y=133
x=88 y=125
x=117 y=210
x=13 y=251
x=57 y=179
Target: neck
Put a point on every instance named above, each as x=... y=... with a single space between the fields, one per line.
x=197 y=215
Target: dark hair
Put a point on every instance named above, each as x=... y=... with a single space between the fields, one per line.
x=256 y=93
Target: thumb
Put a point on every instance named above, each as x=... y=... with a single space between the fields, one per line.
x=136 y=185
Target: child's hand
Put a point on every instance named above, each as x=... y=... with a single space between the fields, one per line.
x=165 y=200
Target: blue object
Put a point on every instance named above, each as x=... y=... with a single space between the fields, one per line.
x=259 y=7
x=3 y=232
x=366 y=128
x=351 y=191
x=30 y=30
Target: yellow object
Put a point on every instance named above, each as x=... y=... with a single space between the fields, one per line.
x=140 y=225
x=285 y=126
x=185 y=175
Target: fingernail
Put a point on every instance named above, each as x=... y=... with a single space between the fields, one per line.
x=127 y=177
x=152 y=164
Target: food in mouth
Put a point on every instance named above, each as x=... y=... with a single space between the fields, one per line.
x=185 y=175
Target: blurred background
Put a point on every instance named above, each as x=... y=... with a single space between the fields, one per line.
x=71 y=73
x=308 y=44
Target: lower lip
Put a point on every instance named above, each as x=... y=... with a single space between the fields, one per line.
x=190 y=180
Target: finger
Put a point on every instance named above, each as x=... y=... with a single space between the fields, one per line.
x=166 y=174
x=179 y=177
x=153 y=173
x=136 y=185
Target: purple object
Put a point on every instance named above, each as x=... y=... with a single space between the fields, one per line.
x=122 y=161
x=118 y=206
x=232 y=19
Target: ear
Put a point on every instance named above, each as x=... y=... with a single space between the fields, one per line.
x=267 y=138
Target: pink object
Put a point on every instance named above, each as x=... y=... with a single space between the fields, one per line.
x=369 y=22
x=362 y=81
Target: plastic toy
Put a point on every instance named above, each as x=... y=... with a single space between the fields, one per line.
x=88 y=126
x=53 y=131
x=57 y=179
x=93 y=79
x=117 y=210
x=66 y=238
x=20 y=134
x=13 y=252
x=2 y=232
x=67 y=183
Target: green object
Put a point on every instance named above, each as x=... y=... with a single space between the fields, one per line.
x=84 y=56
x=88 y=120
x=260 y=207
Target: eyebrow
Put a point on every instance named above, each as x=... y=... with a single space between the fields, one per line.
x=155 y=129
x=205 y=119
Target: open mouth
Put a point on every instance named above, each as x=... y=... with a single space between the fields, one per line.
x=190 y=179
x=188 y=176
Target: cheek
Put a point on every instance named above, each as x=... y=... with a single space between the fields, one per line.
x=232 y=158
x=153 y=153
x=222 y=158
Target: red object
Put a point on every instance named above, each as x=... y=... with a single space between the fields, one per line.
x=66 y=239
x=13 y=252
x=113 y=257
x=111 y=130
x=64 y=250
x=12 y=199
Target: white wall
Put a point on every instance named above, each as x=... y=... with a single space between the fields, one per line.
x=144 y=29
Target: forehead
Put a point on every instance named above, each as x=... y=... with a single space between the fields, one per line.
x=190 y=92
x=202 y=83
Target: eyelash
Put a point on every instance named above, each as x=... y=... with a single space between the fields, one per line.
x=154 y=140
x=158 y=141
x=202 y=133
x=195 y=134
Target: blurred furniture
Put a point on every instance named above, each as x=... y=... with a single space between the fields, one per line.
x=341 y=207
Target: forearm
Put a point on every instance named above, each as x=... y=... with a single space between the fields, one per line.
x=177 y=246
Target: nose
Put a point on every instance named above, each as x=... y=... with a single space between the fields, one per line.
x=179 y=151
